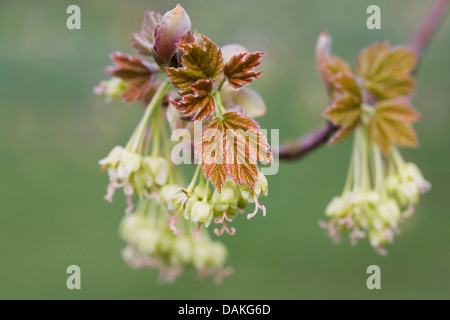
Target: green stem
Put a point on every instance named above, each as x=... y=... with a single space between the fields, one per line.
x=220 y=110
x=350 y=174
x=156 y=133
x=221 y=84
x=194 y=179
x=365 y=175
x=399 y=162
x=357 y=160
x=138 y=135
x=378 y=164
x=205 y=196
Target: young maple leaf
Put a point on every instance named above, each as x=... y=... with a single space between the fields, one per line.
x=345 y=110
x=239 y=70
x=387 y=71
x=231 y=146
x=199 y=105
x=200 y=61
x=391 y=123
x=143 y=41
x=138 y=74
x=328 y=65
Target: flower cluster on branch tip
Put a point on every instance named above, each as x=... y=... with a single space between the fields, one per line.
x=190 y=80
x=374 y=102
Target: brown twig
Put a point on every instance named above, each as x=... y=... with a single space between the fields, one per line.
x=429 y=27
x=295 y=149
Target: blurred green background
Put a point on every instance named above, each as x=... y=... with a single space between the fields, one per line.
x=53 y=130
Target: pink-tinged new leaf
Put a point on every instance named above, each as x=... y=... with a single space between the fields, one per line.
x=200 y=61
x=231 y=146
x=143 y=41
x=138 y=74
x=239 y=70
x=199 y=105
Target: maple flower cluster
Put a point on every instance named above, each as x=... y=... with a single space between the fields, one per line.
x=374 y=102
x=190 y=80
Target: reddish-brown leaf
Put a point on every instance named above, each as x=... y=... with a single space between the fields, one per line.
x=231 y=146
x=138 y=74
x=391 y=123
x=200 y=61
x=200 y=104
x=143 y=41
x=239 y=70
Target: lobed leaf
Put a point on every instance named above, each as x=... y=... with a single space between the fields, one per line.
x=143 y=41
x=328 y=65
x=345 y=110
x=138 y=74
x=239 y=70
x=231 y=146
x=387 y=71
x=391 y=123
x=200 y=61
x=199 y=105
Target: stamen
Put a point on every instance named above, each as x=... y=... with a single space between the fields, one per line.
x=172 y=221
x=224 y=220
x=169 y=274
x=196 y=233
x=128 y=190
x=333 y=232
x=222 y=273
x=112 y=186
x=381 y=251
x=130 y=205
x=356 y=235
x=111 y=189
x=408 y=212
x=224 y=217
x=257 y=206
x=347 y=221
x=389 y=235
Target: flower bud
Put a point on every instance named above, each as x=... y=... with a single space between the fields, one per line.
x=413 y=174
x=182 y=250
x=389 y=212
x=113 y=89
x=189 y=205
x=201 y=212
x=141 y=181
x=199 y=191
x=159 y=168
x=113 y=157
x=129 y=162
x=173 y=25
x=209 y=254
x=261 y=186
x=167 y=193
x=337 y=208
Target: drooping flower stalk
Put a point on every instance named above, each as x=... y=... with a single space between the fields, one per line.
x=381 y=189
x=165 y=230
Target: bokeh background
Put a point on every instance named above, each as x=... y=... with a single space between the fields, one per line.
x=53 y=130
